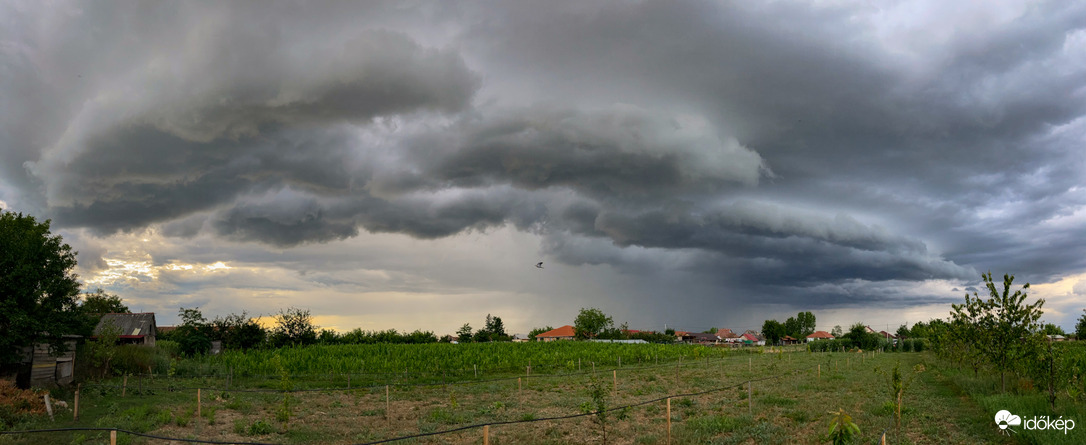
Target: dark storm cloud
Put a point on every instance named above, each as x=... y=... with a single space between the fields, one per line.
x=831 y=151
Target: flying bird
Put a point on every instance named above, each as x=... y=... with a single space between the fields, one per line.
x=539 y=264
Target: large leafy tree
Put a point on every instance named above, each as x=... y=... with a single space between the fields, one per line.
x=294 y=327
x=195 y=334
x=39 y=294
x=239 y=331
x=773 y=331
x=590 y=323
x=101 y=302
x=97 y=303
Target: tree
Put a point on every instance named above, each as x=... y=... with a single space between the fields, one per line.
x=464 y=334
x=1052 y=329
x=1080 y=327
x=294 y=327
x=837 y=331
x=773 y=330
x=791 y=327
x=1000 y=323
x=493 y=330
x=903 y=332
x=194 y=334
x=101 y=302
x=238 y=331
x=806 y=322
x=104 y=348
x=860 y=338
x=537 y=331
x=591 y=322
x=39 y=293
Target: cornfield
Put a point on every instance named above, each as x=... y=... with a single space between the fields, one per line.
x=437 y=358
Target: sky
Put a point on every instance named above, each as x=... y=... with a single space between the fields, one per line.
x=405 y=164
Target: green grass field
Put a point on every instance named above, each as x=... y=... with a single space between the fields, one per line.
x=793 y=393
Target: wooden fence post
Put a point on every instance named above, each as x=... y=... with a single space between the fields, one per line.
x=124 y=386
x=750 y=364
x=388 y=415
x=486 y=434
x=49 y=407
x=615 y=377
x=197 y=402
x=669 y=421
x=75 y=412
x=819 y=371
x=518 y=387
x=476 y=369
x=112 y=437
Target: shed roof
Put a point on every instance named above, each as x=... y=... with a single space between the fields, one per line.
x=131 y=325
x=820 y=334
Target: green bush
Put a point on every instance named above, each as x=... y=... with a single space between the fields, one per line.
x=919 y=344
x=169 y=347
x=138 y=359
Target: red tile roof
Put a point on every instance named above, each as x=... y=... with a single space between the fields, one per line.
x=726 y=333
x=820 y=334
x=748 y=337
x=564 y=331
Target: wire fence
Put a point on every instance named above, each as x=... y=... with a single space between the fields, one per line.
x=442 y=432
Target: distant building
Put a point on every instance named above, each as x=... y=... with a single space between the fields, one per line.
x=135 y=328
x=563 y=333
x=819 y=335
x=704 y=339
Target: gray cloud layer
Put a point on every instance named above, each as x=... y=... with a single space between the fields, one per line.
x=784 y=150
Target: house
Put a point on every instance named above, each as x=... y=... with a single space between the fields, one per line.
x=819 y=335
x=788 y=340
x=135 y=328
x=869 y=330
x=1057 y=338
x=727 y=336
x=752 y=338
x=887 y=335
x=704 y=339
x=519 y=338
x=563 y=333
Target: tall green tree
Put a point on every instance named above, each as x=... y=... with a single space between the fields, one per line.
x=463 y=335
x=1080 y=327
x=39 y=294
x=773 y=331
x=591 y=322
x=194 y=335
x=806 y=321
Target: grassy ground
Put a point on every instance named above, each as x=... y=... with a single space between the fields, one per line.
x=942 y=405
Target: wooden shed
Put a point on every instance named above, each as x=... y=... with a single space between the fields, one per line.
x=43 y=367
x=136 y=329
